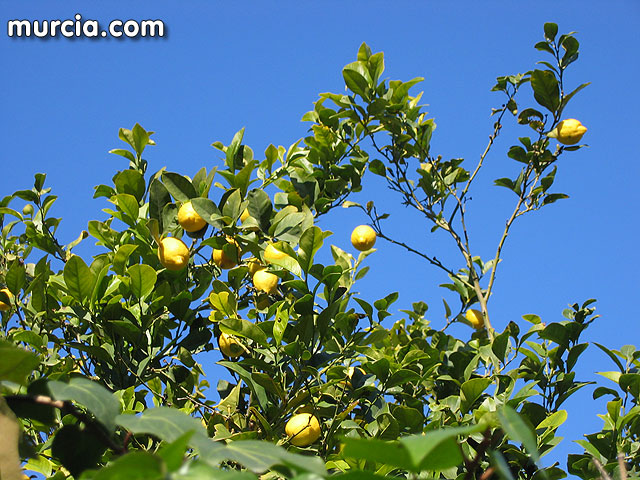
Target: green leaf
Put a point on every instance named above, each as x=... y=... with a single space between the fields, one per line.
x=79 y=278
x=15 y=278
x=121 y=258
x=17 y=363
x=553 y=421
x=437 y=449
x=471 y=390
x=97 y=399
x=208 y=211
x=377 y=167
x=231 y=203
x=143 y=279
x=550 y=31
x=78 y=450
x=378 y=451
x=158 y=198
x=310 y=242
x=166 y=423
x=129 y=205
x=138 y=465
x=244 y=328
x=140 y=138
x=10 y=462
x=545 y=89
x=518 y=431
x=259 y=457
x=356 y=77
x=178 y=186
x=130 y=182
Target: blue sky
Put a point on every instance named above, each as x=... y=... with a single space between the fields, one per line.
x=260 y=65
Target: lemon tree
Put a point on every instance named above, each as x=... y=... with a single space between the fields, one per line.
x=103 y=358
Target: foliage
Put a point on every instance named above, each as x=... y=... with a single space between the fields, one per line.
x=100 y=359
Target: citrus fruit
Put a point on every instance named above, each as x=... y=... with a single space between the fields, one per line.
x=228 y=259
x=475 y=317
x=569 y=131
x=363 y=237
x=254 y=265
x=5 y=306
x=230 y=346
x=173 y=253
x=272 y=254
x=27 y=210
x=266 y=282
x=189 y=219
x=303 y=429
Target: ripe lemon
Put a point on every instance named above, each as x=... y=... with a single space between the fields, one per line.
x=272 y=254
x=303 y=429
x=475 y=317
x=226 y=260
x=363 y=237
x=569 y=131
x=189 y=219
x=230 y=346
x=254 y=265
x=266 y=282
x=6 y=306
x=173 y=253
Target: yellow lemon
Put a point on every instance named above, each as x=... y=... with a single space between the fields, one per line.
x=226 y=260
x=272 y=254
x=189 y=219
x=266 y=282
x=230 y=346
x=363 y=237
x=6 y=306
x=569 y=131
x=254 y=265
x=303 y=429
x=475 y=317
x=173 y=253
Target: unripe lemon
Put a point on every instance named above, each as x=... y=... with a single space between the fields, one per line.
x=173 y=253
x=189 y=219
x=266 y=282
x=6 y=306
x=272 y=254
x=303 y=429
x=254 y=265
x=27 y=210
x=227 y=260
x=230 y=346
x=569 y=131
x=475 y=317
x=363 y=237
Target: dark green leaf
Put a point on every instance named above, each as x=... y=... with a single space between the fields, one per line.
x=143 y=279
x=545 y=89
x=79 y=278
x=178 y=186
x=17 y=363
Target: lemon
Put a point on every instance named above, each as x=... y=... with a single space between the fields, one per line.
x=230 y=346
x=27 y=210
x=363 y=237
x=303 y=429
x=266 y=282
x=173 y=253
x=254 y=265
x=475 y=317
x=226 y=260
x=189 y=219
x=272 y=254
x=6 y=306
x=569 y=131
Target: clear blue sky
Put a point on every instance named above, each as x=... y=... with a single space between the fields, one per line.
x=260 y=65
